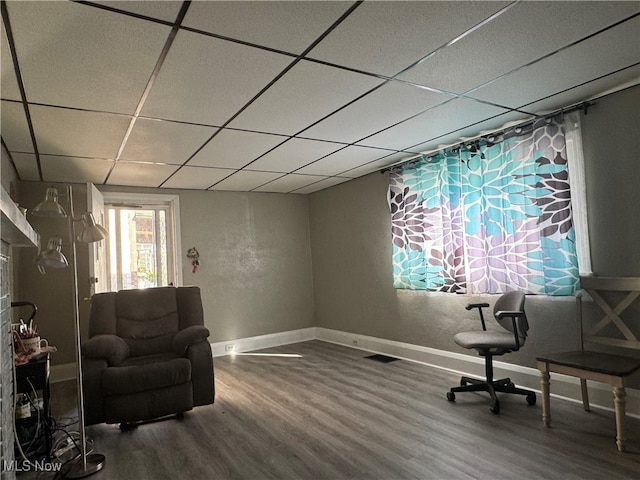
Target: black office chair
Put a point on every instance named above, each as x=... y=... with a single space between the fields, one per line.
x=509 y=313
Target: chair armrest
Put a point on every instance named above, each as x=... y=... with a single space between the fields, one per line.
x=476 y=305
x=479 y=306
x=513 y=314
x=107 y=347
x=187 y=337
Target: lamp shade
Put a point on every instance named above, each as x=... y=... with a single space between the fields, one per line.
x=91 y=231
x=50 y=207
x=52 y=257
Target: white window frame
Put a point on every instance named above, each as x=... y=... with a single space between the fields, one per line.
x=151 y=200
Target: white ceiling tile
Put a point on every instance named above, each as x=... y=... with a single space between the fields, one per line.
x=375 y=165
x=235 y=149
x=245 y=180
x=289 y=182
x=196 y=177
x=27 y=166
x=471 y=131
x=9 y=84
x=386 y=37
x=628 y=76
x=78 y=133
x=139 y=174
x=207 y=80
x=294 y=154
x=438 y=121
x=398 y=101
x=343 y=160
x=550 y=26
x=306 y=93
x=321 y=185
x=74 y=55
x=74 y=169
x=15 y=129
x=585 y=61
x=164 y=142
x=287 y=26
x=162 y=10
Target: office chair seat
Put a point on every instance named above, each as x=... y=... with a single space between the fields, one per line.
x=509 y=313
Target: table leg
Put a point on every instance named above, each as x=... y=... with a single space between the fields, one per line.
x=585 y=395
x=544 y=383
x=619 y=395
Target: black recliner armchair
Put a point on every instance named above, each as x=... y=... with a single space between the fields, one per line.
x=147 y=355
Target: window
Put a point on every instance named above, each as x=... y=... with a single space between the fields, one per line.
x=487 y=217
x=141 y=251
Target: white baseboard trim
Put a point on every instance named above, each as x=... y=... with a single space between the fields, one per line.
x=562 y=386
x=263 y=341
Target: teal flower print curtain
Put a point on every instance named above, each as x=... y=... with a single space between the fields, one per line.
x=488 y=217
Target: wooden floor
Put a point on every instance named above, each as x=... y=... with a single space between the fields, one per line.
x=316 y=410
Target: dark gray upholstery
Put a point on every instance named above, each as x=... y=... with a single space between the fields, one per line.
x=147 y=355
x=510 y=315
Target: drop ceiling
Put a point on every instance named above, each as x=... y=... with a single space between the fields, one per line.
x=289 y=97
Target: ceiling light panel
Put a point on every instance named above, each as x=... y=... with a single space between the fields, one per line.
x=72 y=169
x=287 y=26
x=289 y=183
x=438 y=121
x=9 y=84
x=294 y=154
x=164 y=141
x=486 y=53
x=306 y=94
x=199 y=178
x=245 y=180
x=585 y=61
x=139 y=174
x=235 y=149
x=386 y=37
x=78 y=133
x=343 y=160
x=162 y=10
x=207 y=80
x=15 y=129
x=362 y=118
x=74 y=55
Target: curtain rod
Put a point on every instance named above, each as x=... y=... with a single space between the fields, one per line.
x=581 y=106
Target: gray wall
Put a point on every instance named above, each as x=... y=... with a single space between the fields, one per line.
x=351 y=249
x=255 y=258
x=257 y=252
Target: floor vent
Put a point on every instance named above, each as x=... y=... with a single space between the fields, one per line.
x=381 y=358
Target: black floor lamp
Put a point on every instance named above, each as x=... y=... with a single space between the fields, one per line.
x=52 y=257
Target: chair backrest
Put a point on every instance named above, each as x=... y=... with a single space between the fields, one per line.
x=147 y=319
x=512 y=302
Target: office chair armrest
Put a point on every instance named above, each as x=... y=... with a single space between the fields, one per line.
x=479 y=306
x=476 y=305
x=513 y=314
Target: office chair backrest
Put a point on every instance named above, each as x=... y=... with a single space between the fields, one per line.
x=512 y=302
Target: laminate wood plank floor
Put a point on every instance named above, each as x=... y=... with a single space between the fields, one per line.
x=315 y=410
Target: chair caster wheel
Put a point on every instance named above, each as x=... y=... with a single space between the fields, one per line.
x=531 y=399
x=451 y=396
x=495 y=408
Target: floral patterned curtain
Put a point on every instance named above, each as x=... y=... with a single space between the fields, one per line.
x=488 y=217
